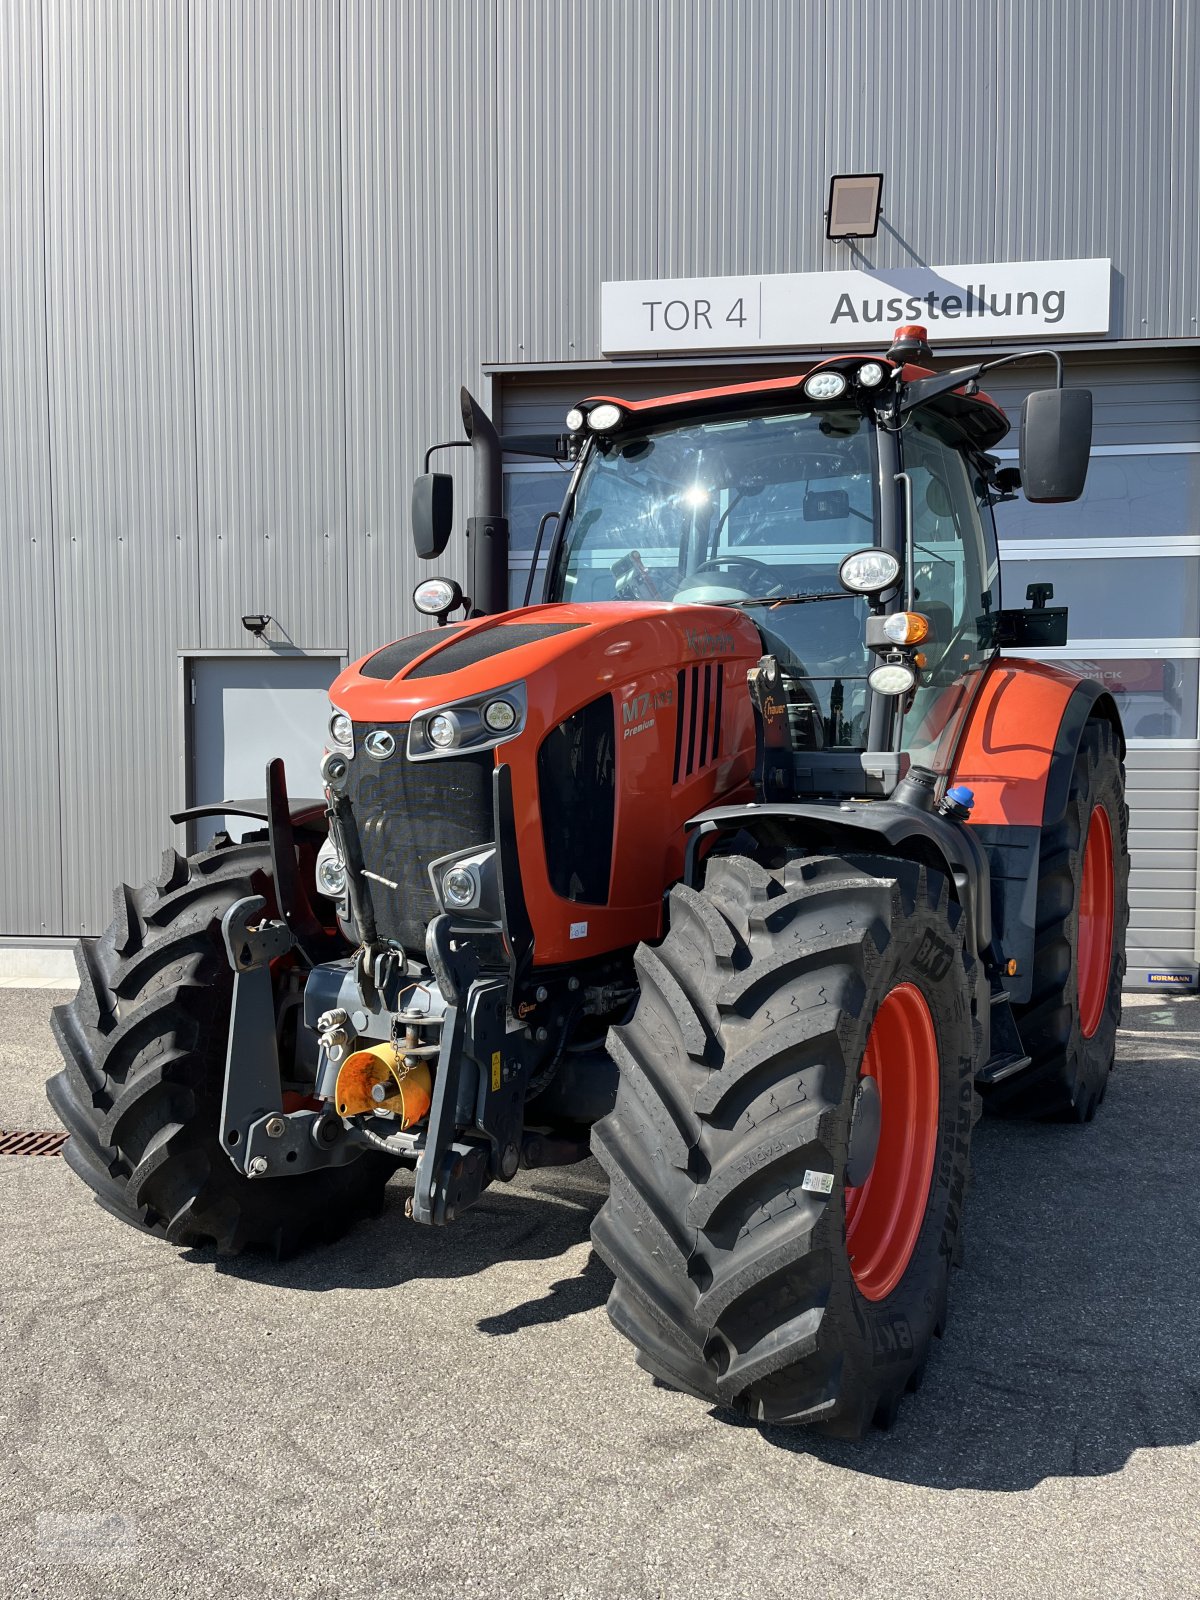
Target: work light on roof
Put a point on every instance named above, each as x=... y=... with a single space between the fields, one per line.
x=825 y=385
x=869 y=375
x=574 y=419
x=603 y=418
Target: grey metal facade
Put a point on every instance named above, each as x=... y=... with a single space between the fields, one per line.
x=250 y=248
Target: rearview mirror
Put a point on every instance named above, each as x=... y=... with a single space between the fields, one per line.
x=432 y=513
x=1056 y=436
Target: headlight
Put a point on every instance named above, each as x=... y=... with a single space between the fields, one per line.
x=331 y=871
x=435 y=597
x=341 y=730
x=499 y=715
x=870 y=375
x=892 y=678
x=906 y=627
x=478 y=723
x=869 y=571
x=825 y=385
x=574 y=420
x=604 y=417
x=459 y=888
x=443 y=729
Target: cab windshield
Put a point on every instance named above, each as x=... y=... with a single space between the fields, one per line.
x=741 y=510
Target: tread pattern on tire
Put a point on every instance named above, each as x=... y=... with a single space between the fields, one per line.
x=1068 y=1074
x=732 y=1075
x=143 y=1045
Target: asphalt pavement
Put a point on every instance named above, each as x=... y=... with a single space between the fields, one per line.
x=412 y=1413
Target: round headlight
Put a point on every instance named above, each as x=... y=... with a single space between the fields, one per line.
x=458 y=887
x=603 y=417
x=341 y=730
x=435 y=596
x=499 y=715
x=892 y=678
x=906 y=627
x=574 y=419
x=825 y=385
x=442 y=730
x=869 y=571
x=870 y=375
x=331 y=872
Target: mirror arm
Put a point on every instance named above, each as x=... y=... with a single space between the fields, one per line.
x=448 y=444
x=925 y=389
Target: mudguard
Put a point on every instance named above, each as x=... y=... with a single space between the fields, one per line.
x=1022 y=735
x=1017 y=754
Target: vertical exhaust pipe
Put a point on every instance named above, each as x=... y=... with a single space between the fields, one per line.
x=487 y=530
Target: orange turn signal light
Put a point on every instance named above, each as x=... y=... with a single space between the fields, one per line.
x=906 y=627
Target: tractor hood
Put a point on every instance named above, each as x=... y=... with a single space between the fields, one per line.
x=568 y=652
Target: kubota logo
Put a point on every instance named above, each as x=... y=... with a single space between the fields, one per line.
x=709 y=644
x=380 y=744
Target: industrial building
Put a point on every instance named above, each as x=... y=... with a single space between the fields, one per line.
x=249 y=250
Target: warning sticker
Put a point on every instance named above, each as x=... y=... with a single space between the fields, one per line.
x=495 y=1070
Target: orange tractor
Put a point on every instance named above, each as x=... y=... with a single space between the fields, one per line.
x=745 y=860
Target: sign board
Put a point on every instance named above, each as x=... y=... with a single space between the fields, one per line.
x=860 y=307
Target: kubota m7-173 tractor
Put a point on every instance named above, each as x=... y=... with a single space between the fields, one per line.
x=746 y=859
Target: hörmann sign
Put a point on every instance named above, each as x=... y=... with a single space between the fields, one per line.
x=812 y=310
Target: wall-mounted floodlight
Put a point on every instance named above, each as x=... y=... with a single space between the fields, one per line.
x=855 y=200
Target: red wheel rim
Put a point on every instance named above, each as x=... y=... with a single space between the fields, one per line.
x=884 y=1215
x=1094 y=954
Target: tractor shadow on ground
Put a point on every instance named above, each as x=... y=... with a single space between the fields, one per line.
x=1073 y=1337
x=541 y=1215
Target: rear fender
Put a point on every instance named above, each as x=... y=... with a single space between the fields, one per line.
x=1017 y=754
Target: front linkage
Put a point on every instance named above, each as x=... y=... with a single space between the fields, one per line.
x=457 y=1017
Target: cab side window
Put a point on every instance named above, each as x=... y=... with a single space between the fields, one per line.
x=955 y=574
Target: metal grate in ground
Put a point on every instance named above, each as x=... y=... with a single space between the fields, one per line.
x=31 y=1143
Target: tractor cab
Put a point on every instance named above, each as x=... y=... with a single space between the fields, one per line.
x=762 y=497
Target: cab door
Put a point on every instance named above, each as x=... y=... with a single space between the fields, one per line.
x=957 y=586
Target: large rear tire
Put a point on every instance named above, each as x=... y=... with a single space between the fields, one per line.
x=1069 y=1027
x=143 y=1045
x=746 y=1273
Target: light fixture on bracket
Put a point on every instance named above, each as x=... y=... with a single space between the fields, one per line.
x=855 y=205
x=256 y=623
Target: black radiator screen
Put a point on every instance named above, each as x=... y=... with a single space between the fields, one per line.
x=407 y=814
x=577 y=794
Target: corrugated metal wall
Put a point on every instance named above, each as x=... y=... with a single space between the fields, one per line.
x=248 y=252
x=697 y=137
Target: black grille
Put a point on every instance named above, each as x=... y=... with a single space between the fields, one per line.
x=576 y=788
x=407 y=814
x=487 y=642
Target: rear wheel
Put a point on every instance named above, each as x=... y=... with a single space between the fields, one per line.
x=788 y=1150
x=143 y=1045
x=1069 y=1027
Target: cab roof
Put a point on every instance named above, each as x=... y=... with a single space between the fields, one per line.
x=982 y=420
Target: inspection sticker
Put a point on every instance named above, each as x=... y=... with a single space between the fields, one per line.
x=579 y=930
x=818 y=1182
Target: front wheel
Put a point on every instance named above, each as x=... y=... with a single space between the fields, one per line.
x=788 y=1150
x=143 y=1045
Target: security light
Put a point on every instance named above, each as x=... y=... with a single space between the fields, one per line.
x=854 y=205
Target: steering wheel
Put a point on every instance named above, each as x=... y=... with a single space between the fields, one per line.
x=756 y=568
